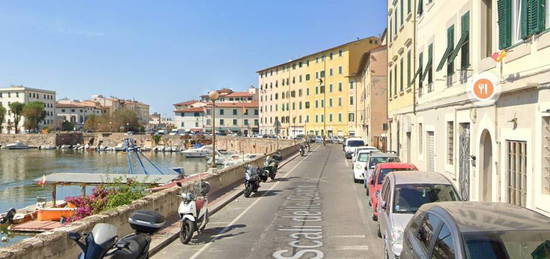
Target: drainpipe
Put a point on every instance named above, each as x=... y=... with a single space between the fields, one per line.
x=414 y=57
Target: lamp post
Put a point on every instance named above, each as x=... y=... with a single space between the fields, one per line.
x=213 y=97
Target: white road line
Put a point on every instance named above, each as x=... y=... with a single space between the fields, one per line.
x=228 y=227
x=363 y=248
x=349 y=236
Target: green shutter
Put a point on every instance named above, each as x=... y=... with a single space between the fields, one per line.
x=420 y=7
x=465 y=50
x=524 y=23
x=505 y=23
x=428 y=69
x=449 y=50
x=536 y=16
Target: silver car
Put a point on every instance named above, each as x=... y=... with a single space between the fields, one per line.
x=401 y=196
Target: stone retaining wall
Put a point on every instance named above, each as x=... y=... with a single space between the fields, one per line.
x=56 y=244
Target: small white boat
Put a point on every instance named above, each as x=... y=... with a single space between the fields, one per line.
x=47 y=147
x=119 y=147
x=203 y=151
x=17 y=145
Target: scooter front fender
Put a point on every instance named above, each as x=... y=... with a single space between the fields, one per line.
x=188 y=217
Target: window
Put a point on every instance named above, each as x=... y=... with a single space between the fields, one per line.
x=450 y=63
x=316 y=75
x=420 y=7
x=351 y=85
x=395 y=20
x=487 y=27
x=234 y=111
x=519 y=19
x=408 y=69
x=339 y=117
x=516 y=170
x=340 y=86
x=316 y=104
x=245 y=121
x=391 y=82
x=331 y=56
x=221 y=122
x=450 y=142
x=322 y=89
x=429 y=70
x=256 y=122
x=307 y=77
x=409 y=6
x=316 y=118
x=401 y=75
x=330 y=102
x=401 y=11
x=426 y=230
x=340 y=67
x=444 y=246
x=322 y=74
x=351 y=117
x=300 y=92
x=330 y=72
x=465 y=42
x=420 y=134
x=255 y=111
x=351 y=100
x=340 y=52
x=221 y=111
x=395 y=80
x=339 y=101
x=330 y=88
x=330 y=117
x=307 y=91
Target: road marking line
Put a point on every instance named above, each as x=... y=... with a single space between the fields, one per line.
x=363 y=248
x=350 y=236
x=228 y=227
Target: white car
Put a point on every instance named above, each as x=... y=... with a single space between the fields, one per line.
x=359 y=164
x=358 y=149
x=351 y=145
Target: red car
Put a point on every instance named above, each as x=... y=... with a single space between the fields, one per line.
x=375 y=184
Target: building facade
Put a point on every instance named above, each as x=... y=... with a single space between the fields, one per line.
x=114 y=104
x=313 y=94
x=371 y=79
x=25 y=95
x=77 y=112
x=492 y=151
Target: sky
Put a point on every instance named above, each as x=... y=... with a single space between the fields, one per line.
x=162 y=52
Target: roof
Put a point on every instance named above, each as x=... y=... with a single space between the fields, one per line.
x=239 y=94
x=186 y=103
x=253 y=104
x=418 y=177
x=78 y=105
x=194 y=109
x=394 y=165
x=473 y=216
x=364 y=58
x=99 y=178
x=339 y=46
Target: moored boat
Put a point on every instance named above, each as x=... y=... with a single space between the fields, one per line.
x=203 y=151
x=17 y=145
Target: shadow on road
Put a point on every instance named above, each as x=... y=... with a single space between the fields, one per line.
x=217 y=233
x=266 y=193
x=285 y=179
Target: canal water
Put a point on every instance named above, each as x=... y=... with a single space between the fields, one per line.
x=19 y=170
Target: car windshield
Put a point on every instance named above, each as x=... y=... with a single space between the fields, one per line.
x=363 y=157
x=409 y=197
x=385 y=171
x=356 y=143
x=532 y=244
x=376 y=160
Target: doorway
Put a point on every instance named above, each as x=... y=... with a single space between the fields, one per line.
x=486 y=168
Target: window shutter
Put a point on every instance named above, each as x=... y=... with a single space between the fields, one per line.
x=420 y=7
x=536 y=16
x=525 y=10
x=505 y=23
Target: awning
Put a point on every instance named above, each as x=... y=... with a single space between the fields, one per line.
x=448 y=52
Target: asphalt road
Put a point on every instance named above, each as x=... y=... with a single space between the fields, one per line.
x=313 y=210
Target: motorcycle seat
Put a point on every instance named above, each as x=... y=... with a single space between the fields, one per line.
x=134 y=246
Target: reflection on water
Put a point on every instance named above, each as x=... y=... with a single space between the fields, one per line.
x=20 y=168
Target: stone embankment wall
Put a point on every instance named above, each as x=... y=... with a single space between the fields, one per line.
x=56 y=244
x=240 y=144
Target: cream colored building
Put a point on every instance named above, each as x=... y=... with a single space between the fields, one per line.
x=495 y=152
x=313 y=94
x=24 y=95
x=113 y=104
x=76 y=111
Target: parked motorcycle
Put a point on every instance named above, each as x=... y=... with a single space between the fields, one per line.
x=193 y=212
x=302 y=150
x=251 y=181
x=270 y=168
x=103 y=241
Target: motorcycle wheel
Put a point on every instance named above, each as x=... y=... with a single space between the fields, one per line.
x=247 y=190
x=272 y=176
x=206 y=220
x=186 y=231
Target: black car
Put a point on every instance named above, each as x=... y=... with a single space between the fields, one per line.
x=472 y=230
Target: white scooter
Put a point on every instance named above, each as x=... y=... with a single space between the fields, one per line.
x=193 y=212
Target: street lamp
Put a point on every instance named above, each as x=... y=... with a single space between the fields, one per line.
x=213 y=97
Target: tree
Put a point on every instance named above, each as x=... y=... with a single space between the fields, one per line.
x=17 y=109
x=67 y=126
x=34 y=113
x=125 y=119
x=2 y=116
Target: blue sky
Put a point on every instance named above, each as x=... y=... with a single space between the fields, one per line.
x=162 y=52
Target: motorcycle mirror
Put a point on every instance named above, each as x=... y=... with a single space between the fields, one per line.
x=74 y=236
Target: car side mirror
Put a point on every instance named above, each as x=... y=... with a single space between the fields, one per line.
x=74 y=236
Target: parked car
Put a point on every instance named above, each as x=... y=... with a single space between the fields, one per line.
x=475 y=230
x=402 y=195
x=377 y=158
x=375 y=184
x=360 y=161
x=351 y=145
x=318 y=139
x=357 y=149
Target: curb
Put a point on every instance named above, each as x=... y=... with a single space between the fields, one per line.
x=232 y=197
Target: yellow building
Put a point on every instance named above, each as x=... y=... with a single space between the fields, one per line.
x=401 y=40
x=313 y=94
